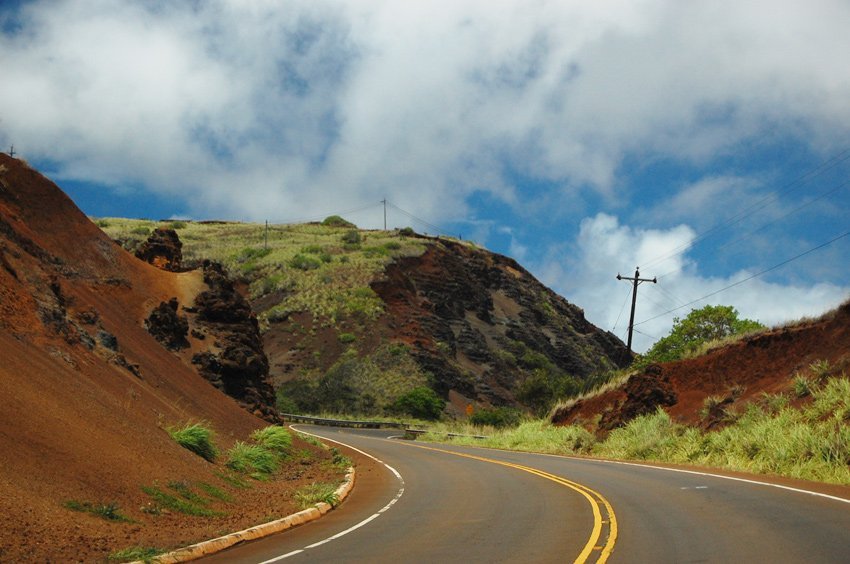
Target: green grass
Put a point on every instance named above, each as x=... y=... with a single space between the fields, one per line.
x=164 y=500
x=233 y=480
x=197 y=438
x=274 y=438
x=134 y=553
x=214 y=492
x=315 y=493
x=254 y=460
x=108 y=511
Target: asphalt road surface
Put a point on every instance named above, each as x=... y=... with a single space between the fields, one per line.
x=436 y=503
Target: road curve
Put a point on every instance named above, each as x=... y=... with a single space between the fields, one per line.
x=480 y=505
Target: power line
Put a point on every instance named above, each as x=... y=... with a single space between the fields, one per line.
x=757 y=206
x=622 y=308
x=341 y=213
x=747 y=279
x=436 y=228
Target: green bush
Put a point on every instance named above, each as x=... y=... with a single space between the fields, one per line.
x=407 y=232
x=304 y=262
x=274 y=438
x=421 y=402
x=337 y=221
x=497 y=417
x=144 y=231
x=197 y=438
x=177 y=225
x=346 y=338
x=352 y=237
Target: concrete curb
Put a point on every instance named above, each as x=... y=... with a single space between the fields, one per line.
x=212 y=546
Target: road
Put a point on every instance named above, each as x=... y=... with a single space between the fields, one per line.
x=439 y=503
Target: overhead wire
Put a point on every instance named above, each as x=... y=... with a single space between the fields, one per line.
x=748 y=278
x=827 y=165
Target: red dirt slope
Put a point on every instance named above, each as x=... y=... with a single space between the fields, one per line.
x=741 y=371
x=86 y=392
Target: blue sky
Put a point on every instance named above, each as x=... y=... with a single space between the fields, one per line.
x=703 y=141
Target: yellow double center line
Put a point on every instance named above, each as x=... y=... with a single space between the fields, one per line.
x=592 y=496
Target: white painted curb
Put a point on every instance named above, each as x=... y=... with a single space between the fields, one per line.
x=212 y=546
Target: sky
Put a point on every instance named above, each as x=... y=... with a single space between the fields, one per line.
x=706 y=142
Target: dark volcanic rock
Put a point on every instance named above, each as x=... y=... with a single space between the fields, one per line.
x=163 y=249
x=167 y=326
x=481 y=324
x=240 y=368
x=645 y=392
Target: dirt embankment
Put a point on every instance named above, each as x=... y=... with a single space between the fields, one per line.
x=737 y=373
x=87 y=392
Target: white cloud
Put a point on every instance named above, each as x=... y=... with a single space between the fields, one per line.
x=604 y=246
x=316 y=105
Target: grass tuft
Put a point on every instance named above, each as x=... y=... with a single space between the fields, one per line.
x=197 y=438
x=108 y=511
x=254 y=460
x=274 y=438
x=316 y=493
x=134 y=553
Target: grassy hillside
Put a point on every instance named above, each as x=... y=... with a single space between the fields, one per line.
x=323 y=269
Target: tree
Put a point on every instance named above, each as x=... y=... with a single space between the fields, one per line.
x=700 y=326
x=421 y=402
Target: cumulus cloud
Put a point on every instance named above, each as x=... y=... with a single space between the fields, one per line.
x=604 y=245
x=242 y=108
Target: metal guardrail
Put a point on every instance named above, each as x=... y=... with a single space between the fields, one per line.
x=342 y=422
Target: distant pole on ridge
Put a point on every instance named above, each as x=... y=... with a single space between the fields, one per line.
x=637 y=280
x=12 y=151
x=384 y=201
x=266 y=236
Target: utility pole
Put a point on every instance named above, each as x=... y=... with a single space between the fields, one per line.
x=637 y=280
x=266 y=236
x=384 y=201
x=12 y=152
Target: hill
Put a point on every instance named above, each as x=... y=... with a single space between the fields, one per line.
x=352 y=320
x=88 y=394
x=709 y=389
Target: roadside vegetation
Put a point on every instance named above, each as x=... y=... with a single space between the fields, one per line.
x=770 y=436
x=197 y=438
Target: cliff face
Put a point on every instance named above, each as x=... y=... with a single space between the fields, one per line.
x=487 y=330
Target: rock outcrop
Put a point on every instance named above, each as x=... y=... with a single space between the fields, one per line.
x=236 y=364
x=167 y=326
x=163 y=249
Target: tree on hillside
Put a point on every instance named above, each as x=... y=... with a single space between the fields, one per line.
x=700 y=326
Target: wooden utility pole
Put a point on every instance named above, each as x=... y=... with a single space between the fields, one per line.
x=384 y=201
x=12 y=151
x=637 y=280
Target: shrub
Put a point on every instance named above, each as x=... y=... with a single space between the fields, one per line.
x=197 y=438
x=337 y=221
x=497 y=417
x=273 y=437
x=177 y=225
x=144 y=231
x=102 y=223
x=352 y=237
x=407 y=232
x=346 y=337
x=255 y=460
x=304 y=262
x=421 y=402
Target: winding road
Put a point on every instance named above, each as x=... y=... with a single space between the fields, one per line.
x=423 y=502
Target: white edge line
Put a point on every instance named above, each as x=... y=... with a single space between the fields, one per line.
x=361 y=523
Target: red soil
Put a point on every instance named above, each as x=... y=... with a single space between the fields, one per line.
x=81 y=422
